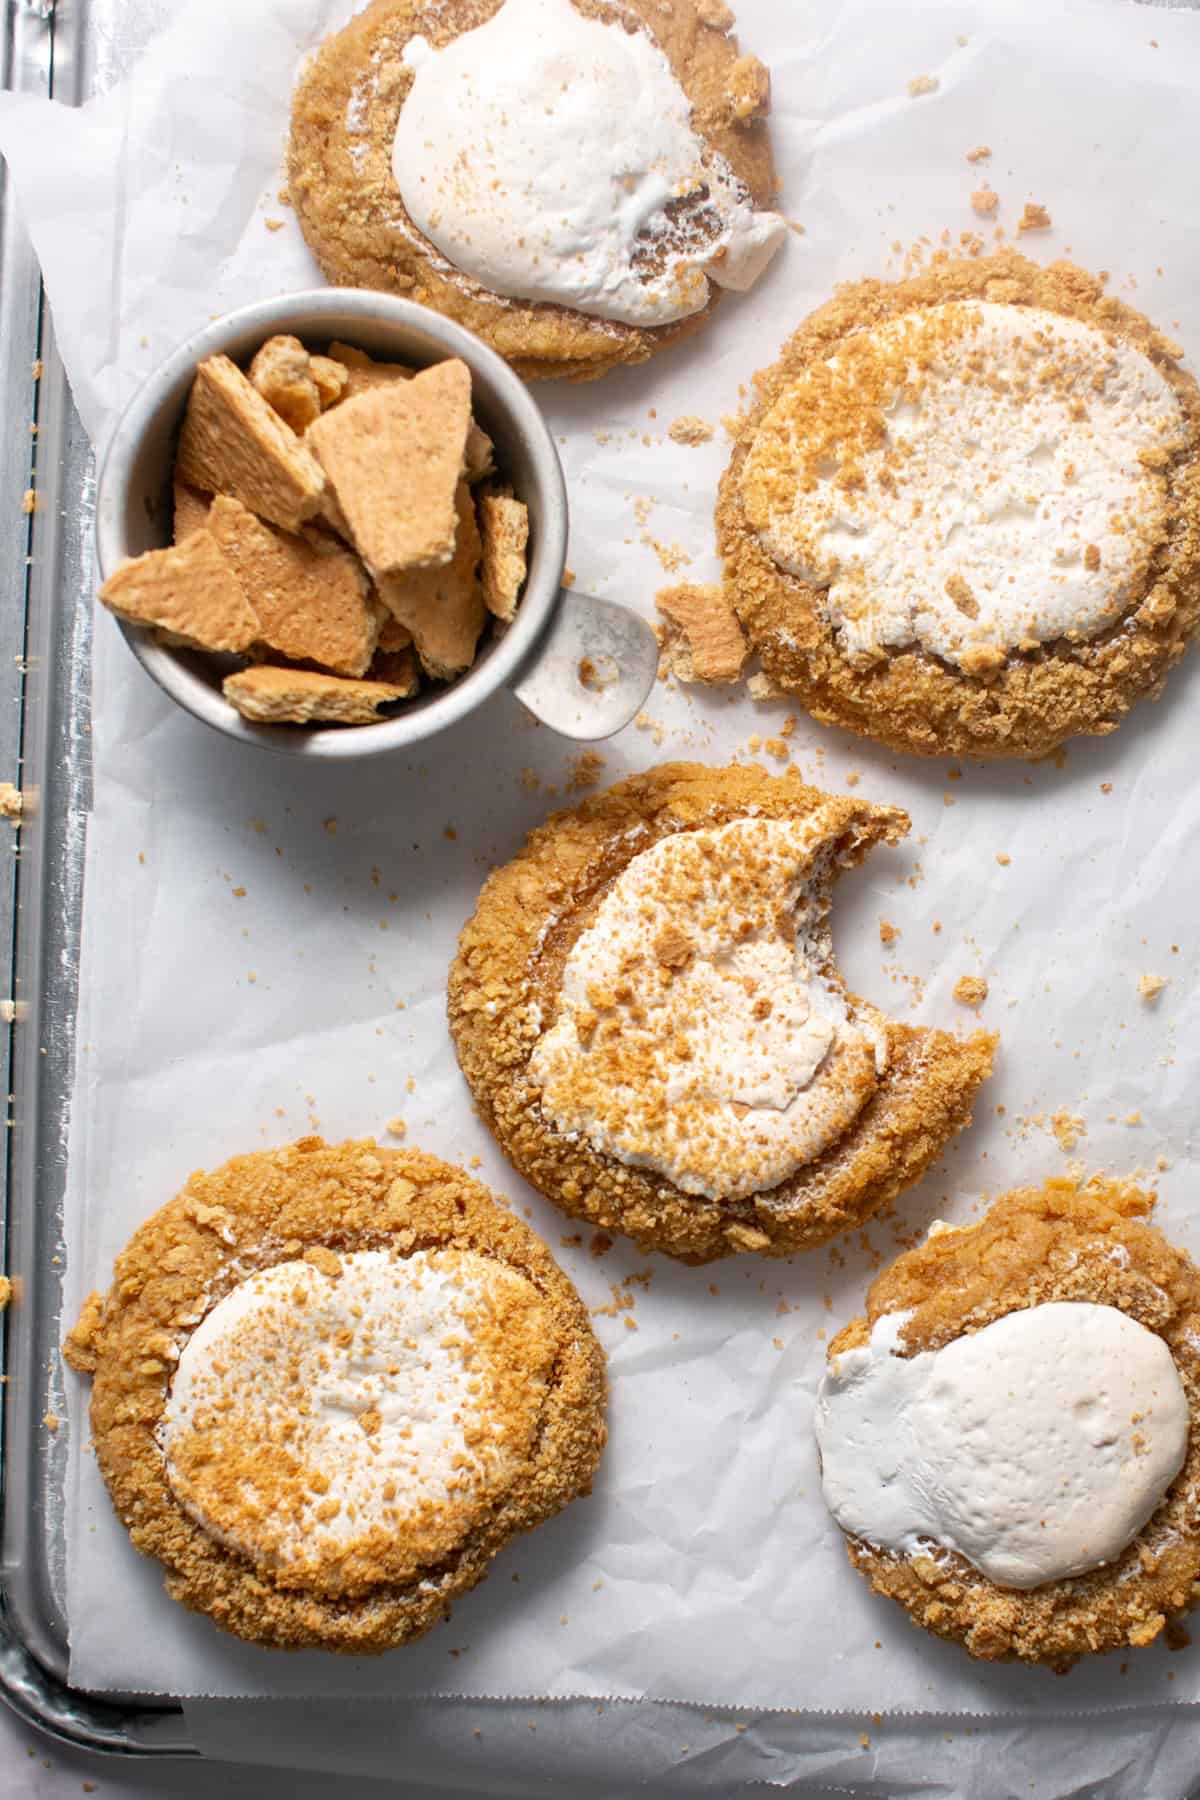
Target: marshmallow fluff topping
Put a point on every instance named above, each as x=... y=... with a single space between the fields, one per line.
x=551 y=157
x=701 y=1032
x=971 y=479
x=1036 y=1448
x=329 y=1420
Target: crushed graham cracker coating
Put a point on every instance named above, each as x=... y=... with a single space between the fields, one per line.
x=350 y=209
x=505 y=986
x=1068 y=1242
x=321 y=1203
x=1024 y=703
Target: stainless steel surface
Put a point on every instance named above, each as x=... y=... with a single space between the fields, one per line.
x=593 y=669
x=133 y=514
x=45 y=643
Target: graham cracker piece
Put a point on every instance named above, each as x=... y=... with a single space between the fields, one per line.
x=233 y=443
x=311 y=594
x=282 y=373
x=443 y=608
x=191 y=510
x=393 y=456
x=504 y=529
x=363 y=374
x=189 y=590
x=331 y=380
x=703 y=641
x=272 y=696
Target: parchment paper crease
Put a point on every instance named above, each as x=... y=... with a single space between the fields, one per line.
x=703 y=1567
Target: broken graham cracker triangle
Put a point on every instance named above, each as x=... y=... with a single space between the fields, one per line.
x=189 y=590
x=443 y=608
x=704 y=640
x=504 y=530
x=311 y=594
x=234 y=443
x=363 y=374
x=393 y=456
x=296 y=385
x=272 y=696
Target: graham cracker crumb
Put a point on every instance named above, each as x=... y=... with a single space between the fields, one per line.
x=971 y=990
x=1034 y=218
x=691 y=430
x=5 y=1292
x=1150 y=987
x=979 y=154
x=923 y=84
x=12 y=801
x=888 y=933
x=50 y=1421
x=985 y=200
x=30 y=501
x=1068 y=1128
x=585 y=771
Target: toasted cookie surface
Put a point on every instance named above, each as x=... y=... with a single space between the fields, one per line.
x=329 y=1383
x=963 y=513
x=341 y=178
x=646 y=1007
x=1083 y=1251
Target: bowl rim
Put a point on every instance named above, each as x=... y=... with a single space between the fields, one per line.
x=326 y=313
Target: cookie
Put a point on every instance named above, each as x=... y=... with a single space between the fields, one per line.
x=1009 y=1437
x=573 y=180
x=963 y=513
x=330 y=1382
x=648 y=1012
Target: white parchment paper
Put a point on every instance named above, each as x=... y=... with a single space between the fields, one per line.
x=214 y=1019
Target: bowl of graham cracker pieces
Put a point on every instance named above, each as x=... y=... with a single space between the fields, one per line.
x=335 y=523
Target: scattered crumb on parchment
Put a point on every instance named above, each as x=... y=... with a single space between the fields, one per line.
x=12 y=801
x=273 y=224
x=763 y=687
x=397 y=1128
x=970 y=990
x=923 y=84
x=888 y=932
x=584 y=771
x=985 y=200
x=1150 y=987
x=691 y=430
x=1034 y=218
x=1003 y=859
x=1068 y=1128
x=979 y=154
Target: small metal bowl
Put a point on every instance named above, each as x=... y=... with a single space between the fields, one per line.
x=583 y=666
